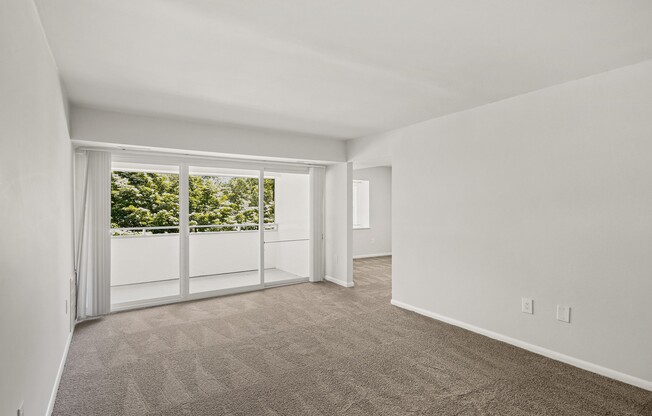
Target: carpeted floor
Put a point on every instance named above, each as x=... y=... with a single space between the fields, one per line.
x=317 y=349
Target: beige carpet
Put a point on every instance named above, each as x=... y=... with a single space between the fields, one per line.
x=317 y=349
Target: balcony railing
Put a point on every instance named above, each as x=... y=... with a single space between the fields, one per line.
x=223 y=228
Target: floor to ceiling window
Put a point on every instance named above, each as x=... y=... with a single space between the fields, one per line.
x=189 y=230
x=223 y=225
x=145 y=232
x=287 y=245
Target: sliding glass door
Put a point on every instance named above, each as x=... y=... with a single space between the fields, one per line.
x=145 y=233
x=223 y=228
x=190 y=230
x=287 y=242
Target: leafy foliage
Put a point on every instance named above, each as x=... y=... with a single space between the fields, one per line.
x=140 y=199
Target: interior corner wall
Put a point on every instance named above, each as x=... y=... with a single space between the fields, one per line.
x=36 y=249
x=374 y=150
x=548 y=196
x=338 y=223
x=377 y=239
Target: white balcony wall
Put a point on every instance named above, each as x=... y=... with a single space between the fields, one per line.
x=141 y=259
x=292 y=196
x=226 y=252
x=292 y=256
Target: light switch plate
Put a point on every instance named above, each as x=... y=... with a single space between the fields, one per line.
x=527 y=305
x=563 y=313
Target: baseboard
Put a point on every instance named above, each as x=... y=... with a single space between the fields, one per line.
x=366 y=256
x=338 y=281
x=576 y=362
x=55 y=389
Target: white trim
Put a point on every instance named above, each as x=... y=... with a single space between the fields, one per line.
x=147 y=303
x=576 y=362
x=169 y=300
x=184 y=230
x=122 y=153
x=55 y=389
x=261 y=225
x=272 y=285
x=338 y=281
x=366 y=256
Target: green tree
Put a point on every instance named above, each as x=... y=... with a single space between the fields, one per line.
x=141 y=199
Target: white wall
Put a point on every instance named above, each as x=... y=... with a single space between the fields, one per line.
x=139 y=130
x=371 y=151
x=137 y=259
x=338 y=223
x=546 y=195
x=292 y=211
x=144 y=259
x=230 y=252
x=36 y=256
x=377 y=239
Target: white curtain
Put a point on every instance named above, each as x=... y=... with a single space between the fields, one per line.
x=92 y=233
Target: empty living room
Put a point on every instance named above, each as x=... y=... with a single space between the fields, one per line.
x=301 y=207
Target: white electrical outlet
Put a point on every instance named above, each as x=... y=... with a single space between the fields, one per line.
x=527 y=305
x=563 y=313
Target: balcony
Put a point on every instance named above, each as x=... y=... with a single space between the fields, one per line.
x=145 y=262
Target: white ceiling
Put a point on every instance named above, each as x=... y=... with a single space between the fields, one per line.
x=341 y=68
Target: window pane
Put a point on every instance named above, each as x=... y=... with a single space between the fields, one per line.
x=145 y=229
x=360 y=204
x=227 y=203
x=356 y=219
x=224 y=242
x=287 y=246
x=144 y=202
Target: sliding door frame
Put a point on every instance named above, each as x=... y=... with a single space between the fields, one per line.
x=311 y=227
x=184 y=230
x=183 y=162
